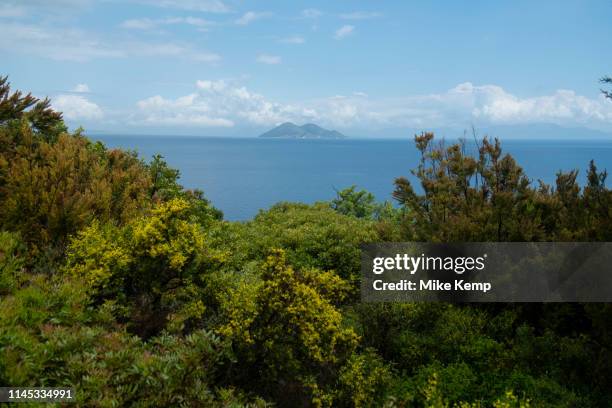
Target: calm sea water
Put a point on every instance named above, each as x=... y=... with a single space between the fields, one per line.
x=242 y=176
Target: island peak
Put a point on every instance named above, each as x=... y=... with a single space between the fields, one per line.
x=289 y=130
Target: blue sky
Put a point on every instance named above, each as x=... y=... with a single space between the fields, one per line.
x=234 y=68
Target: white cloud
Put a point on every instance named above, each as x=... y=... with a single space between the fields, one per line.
x=344 y=32
x=183 y=111
x=142 y=49
x=228 y=103
x=269 y=59
x=464 y=104
x=496 y=105
x=311 y=13
x=77 y=107
x=217 y=104
x=250 y=16
x=147 y=23
x=81 y=88
x=79 y=46
x=361 y=15
x=296 y=39
x=56 y=3
x=215 y=86
x=68 y=44
x=210 y=6
x=21 y=8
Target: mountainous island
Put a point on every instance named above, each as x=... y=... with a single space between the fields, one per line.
x=290 y=130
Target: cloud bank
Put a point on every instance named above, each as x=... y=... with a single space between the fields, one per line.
x=214 y=104
x=226 y=104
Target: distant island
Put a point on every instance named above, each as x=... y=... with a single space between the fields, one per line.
x=290 y=130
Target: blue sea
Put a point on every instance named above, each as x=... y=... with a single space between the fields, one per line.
x=242 y=176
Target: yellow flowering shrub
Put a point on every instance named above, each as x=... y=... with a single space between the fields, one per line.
x=97 y=255
x=148 y=268
x=293 y=335
x=167 y=235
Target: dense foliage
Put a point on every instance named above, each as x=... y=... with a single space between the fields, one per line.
x=116 y=281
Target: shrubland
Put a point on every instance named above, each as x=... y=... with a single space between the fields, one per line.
x=118 y=282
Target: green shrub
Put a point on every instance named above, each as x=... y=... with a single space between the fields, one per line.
x=12 y=262
x=151 y=268
x=311 y=236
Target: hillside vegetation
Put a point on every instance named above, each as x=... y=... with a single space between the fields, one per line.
x=116 y=281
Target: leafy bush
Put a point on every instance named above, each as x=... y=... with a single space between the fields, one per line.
x=292 y=338
x=311 y=236
x=12 y=262
x=150 y=268
x=50 y=337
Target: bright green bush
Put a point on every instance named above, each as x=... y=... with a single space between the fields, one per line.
x=311 y=236
x=360 y=204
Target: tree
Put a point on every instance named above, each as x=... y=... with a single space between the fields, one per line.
x=467 y=198
x=360 y=204
x=607 y=81
x=51 y=190
x=37 y=113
